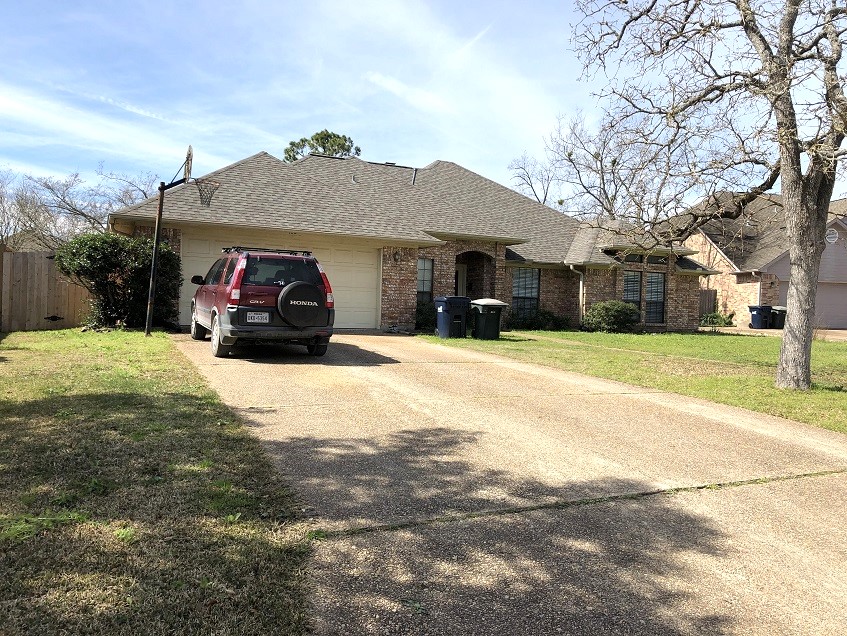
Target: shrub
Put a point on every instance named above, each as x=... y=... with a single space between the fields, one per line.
x=540 y=320
x=116 y=270
x=425 y=317
x=612 y=316
x=716 y=319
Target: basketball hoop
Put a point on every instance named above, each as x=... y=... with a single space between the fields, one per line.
x=189 y=157
x=207 y=189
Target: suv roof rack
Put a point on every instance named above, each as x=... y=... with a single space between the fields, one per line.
x=239 y=248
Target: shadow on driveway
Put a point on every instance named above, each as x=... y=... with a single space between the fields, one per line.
x=612 y=562
x=338 y=354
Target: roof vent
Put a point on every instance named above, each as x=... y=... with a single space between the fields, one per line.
x=390 y=163
x=353 y=179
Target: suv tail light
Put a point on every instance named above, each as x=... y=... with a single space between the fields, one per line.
x=235 y=289
x=330 y=300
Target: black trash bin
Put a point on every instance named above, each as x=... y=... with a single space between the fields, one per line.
x=760 y=316
x=451 y=314
x=487 y=318
x=778 y=317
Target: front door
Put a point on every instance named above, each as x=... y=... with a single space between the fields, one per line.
x=461 y=279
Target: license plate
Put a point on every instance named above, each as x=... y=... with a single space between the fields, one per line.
x=258 y=316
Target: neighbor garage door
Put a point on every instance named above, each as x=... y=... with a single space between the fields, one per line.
x=830 y=306
x=351 y=266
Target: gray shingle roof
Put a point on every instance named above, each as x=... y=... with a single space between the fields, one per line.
x=359 y=198
x=262 y=191
x=754 y=239
x=485 y=207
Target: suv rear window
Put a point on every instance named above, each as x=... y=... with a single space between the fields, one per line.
x=271 y=270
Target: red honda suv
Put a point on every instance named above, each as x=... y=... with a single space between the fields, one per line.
x=263 y=294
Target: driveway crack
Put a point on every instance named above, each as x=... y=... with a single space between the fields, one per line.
x=563 y=504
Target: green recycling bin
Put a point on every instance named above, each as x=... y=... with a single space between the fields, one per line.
x=487 y=313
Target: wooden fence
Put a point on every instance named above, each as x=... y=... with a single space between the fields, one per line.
x=708 y=301
x=35 y=296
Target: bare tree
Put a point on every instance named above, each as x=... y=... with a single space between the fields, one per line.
x=535 y=178
x=53 y=210
x=727 y=96
x=10 y=225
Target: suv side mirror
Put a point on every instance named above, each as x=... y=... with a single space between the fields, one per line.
x=197 y=279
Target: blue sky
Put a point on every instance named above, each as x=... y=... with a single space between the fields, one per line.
x=131 y=84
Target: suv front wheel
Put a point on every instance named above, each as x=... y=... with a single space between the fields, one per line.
x=198 y=331
x=219 y=350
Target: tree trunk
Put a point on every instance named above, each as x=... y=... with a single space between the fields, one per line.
x=805 y=225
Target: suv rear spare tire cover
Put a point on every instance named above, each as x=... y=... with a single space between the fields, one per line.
x=300 y=304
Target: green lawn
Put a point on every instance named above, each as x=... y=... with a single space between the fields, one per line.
x=132 y=501
x=730 y=369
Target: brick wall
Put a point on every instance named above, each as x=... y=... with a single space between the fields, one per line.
x=399 y=286
x=559 y=293
x=735 y=292
x=486 y=263
x=745 y=290
x=682 y=292
x=602 y=284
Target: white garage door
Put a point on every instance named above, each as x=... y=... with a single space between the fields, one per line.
x=830 y=306
x=351 y=266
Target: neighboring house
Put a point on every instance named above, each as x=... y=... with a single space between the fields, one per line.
x=391 y=236
x=751 y=255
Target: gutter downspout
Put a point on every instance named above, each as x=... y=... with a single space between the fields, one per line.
x=757 y=274
x=581 y=291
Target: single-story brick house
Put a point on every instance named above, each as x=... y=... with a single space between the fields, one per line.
x=391 y=236
x=750 y=256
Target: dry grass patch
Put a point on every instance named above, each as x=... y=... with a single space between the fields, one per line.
x=132 y=501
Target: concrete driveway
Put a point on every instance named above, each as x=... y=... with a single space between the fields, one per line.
x=463 y=493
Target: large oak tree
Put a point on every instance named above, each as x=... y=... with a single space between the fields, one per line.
x=743 y=96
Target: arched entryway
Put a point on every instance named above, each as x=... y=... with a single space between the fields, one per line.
x=474 y=275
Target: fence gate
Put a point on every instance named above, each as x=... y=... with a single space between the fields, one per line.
x=35 y=296
x=708 y=301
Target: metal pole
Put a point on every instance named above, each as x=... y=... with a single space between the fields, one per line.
x=155 y=262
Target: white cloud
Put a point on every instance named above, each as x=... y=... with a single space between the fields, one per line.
x=416 y=97
x=36 y=120
x=410 y=81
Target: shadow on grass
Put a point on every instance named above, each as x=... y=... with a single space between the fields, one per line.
x=420 y=540
x=178 y=520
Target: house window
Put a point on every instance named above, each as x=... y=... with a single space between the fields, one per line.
x=657 y=260
x=424 y=280
x=525 y=285
x=633 y=258
x=655 y=297
x=632 y=288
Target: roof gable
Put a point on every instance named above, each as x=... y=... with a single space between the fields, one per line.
x=758 y=237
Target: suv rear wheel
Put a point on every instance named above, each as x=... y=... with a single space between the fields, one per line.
x=316 y=350
x=219 y=350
